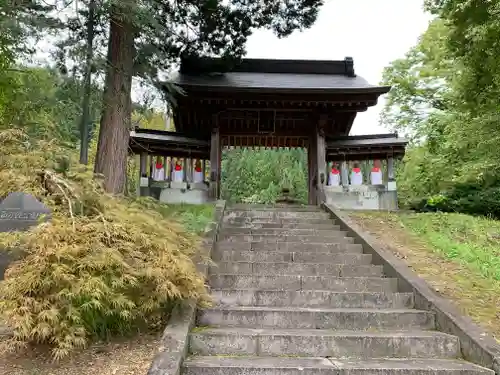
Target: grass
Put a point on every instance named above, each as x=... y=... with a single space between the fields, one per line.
x=458 y=255
x=195 y=218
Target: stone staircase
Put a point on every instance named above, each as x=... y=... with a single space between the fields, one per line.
x=294 y=295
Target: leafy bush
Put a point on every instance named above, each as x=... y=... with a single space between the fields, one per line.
x=471 y=198
x=102 y=266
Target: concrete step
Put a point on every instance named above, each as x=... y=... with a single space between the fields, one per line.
x=282 y=231
x=327 y=225
x=275 y=207
x=311 y=298
x=277 y=214
x=282 y=221
x=270 y=238
x=332 y=247
x=327 y=366
x=323 y=343
x=316 y=318
x=288 y=256
x=298 y=282
x=290 y=268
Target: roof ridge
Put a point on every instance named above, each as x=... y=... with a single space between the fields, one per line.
x=204 y=65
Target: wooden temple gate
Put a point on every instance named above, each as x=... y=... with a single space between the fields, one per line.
x=271 y=104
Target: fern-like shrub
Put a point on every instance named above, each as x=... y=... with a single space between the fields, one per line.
x=102 y=266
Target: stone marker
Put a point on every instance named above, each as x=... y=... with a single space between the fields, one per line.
x=19 y=212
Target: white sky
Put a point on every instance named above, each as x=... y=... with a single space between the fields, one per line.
x=372 y=32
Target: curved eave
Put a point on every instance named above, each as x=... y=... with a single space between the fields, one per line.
x=163 y=143
x=366 y=147
x=376 y=90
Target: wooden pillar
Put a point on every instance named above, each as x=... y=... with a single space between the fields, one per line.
x=143 y=171
x=204 y=168
x=143 y=165
x=166 y=167
x=390 y=169
x=391 y=176
x=344 y=170
x=215 y=160
x=219 y=171
x=185 y=170
x=321 y=161
x=312 y=166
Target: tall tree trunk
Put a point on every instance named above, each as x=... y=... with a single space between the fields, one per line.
x=84 y=122
x=114 y=132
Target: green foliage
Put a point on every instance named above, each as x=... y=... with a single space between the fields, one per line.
x=446 y=97
x=468 y=198
x=44 y=103
x=419 y=83
x=258 y=176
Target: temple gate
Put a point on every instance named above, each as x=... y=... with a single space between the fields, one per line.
x=275 y=104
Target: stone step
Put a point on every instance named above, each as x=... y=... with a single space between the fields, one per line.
x=277 y=207
x=311 y=298
x=316 y=318
x=328 y=225
x=323 y=343
x=247 y=365
x=298 y=282
x=290 y=268
x=332 y=247
x=282 y=231
x=336 y=257
x=277 y=214
x=282 y=221
x=270 y=238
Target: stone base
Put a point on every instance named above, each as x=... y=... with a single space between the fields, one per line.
x=184 y=195
x=362 y=197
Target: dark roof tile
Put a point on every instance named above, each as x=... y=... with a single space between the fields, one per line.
x=275 y=75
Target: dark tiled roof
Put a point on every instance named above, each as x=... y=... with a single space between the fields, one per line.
x=376 y=140
x=166 y=136
x=159 y=142
x=275 y=75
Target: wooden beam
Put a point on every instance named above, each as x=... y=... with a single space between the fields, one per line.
x=225 y=99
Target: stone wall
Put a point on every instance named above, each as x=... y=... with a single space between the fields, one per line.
x=362 y=197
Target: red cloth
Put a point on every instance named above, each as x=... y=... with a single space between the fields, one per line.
x=375 y=169
x=159 y=165
x=356 y=170
x=335 y=171
x=178 y=167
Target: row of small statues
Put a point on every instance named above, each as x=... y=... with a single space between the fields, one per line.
x=177 y=171
x=356 y=178
x=334 y=179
